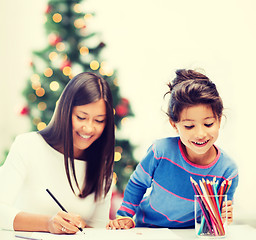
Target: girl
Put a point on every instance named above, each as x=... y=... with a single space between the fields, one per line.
x=195 y=111
x=72 y=156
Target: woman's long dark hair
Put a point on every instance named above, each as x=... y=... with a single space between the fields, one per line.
x=83 y=89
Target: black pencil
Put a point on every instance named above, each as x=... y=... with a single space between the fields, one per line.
x=30 y=238
x=62 y=208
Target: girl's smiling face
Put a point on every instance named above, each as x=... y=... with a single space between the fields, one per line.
x=88 y=122
x=198 y=129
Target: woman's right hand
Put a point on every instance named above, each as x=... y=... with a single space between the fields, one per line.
x=65 y=223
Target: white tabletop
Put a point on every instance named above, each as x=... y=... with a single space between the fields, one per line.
x=238 y=232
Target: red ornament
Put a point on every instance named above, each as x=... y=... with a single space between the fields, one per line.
x=54 y=39
x=48 y=9
x=102 y=44
x=125 y=101
x=66 y=63
x=24 y=111
x=121 y=110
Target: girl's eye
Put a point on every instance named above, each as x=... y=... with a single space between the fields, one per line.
x=189 y=127
x=208 y=125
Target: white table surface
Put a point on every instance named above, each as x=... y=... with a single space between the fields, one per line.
x=239 y=232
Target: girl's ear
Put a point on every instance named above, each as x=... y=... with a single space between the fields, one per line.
x=220 y=121
x=173 y=124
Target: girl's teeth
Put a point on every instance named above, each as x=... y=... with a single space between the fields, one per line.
x=200 y=143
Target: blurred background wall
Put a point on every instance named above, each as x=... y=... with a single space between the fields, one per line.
x=147 y=40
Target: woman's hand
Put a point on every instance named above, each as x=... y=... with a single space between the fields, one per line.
x=229 y=209
x=65 y=223
x=121 y=223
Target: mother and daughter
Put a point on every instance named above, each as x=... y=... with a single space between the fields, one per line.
x=73 y=156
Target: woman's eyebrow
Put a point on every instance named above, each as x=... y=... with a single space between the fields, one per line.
x=100 y=115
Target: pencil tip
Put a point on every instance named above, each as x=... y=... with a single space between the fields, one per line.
x=192 y=180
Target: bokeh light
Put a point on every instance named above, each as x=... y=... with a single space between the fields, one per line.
x=67 y=71
x=117 y=157
x=60 y=46
x=48 y=72
x=79 y=23
x=54 y=86
x=94 y=65
x=57 y=17
x=41 y=126
x=36 y=85
x=40 y=92
x=42 y=106
x=114 y=178
x=53 y=56
x=118 y=149
x=35 y=78
x=77 y=8
x=84 y=50
x=88 y=16
x=32 y=97
x=36 y=120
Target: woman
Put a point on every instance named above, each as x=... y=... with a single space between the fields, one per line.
x=73 y=157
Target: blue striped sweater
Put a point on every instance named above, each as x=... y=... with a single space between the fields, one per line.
x=166 y=171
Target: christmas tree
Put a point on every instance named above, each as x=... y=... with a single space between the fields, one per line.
x=72 y=48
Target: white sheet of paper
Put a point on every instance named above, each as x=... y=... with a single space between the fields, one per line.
x=101 y=233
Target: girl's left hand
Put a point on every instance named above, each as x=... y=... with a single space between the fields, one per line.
x=229 y=209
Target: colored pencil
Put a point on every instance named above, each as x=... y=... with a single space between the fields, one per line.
x=217 y=209
x=216 y=219
x=216 y=197
x=221 y=190
x=210 y=204
x=204 y=211
x=205 y=204
x=228 y=187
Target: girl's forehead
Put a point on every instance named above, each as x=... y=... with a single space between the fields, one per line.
x=201 y=111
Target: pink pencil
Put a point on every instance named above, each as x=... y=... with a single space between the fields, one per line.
x=205 y=215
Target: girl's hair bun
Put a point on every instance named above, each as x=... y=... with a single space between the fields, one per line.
x=190 y=88
x=185 y=75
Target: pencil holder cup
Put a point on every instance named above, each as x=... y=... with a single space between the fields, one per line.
x=208 y=220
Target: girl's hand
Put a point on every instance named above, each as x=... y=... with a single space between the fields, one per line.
x=229 y=209
x=121 y=223
x=65 y=223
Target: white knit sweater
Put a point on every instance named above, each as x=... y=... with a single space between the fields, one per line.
x=31 y=167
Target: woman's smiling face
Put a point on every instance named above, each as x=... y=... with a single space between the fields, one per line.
x=198 y=129
x=88 y=123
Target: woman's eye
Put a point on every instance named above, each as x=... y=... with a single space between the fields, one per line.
x=80 y=118
x=100 y=121
x=208 y=125
x=189 y=127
